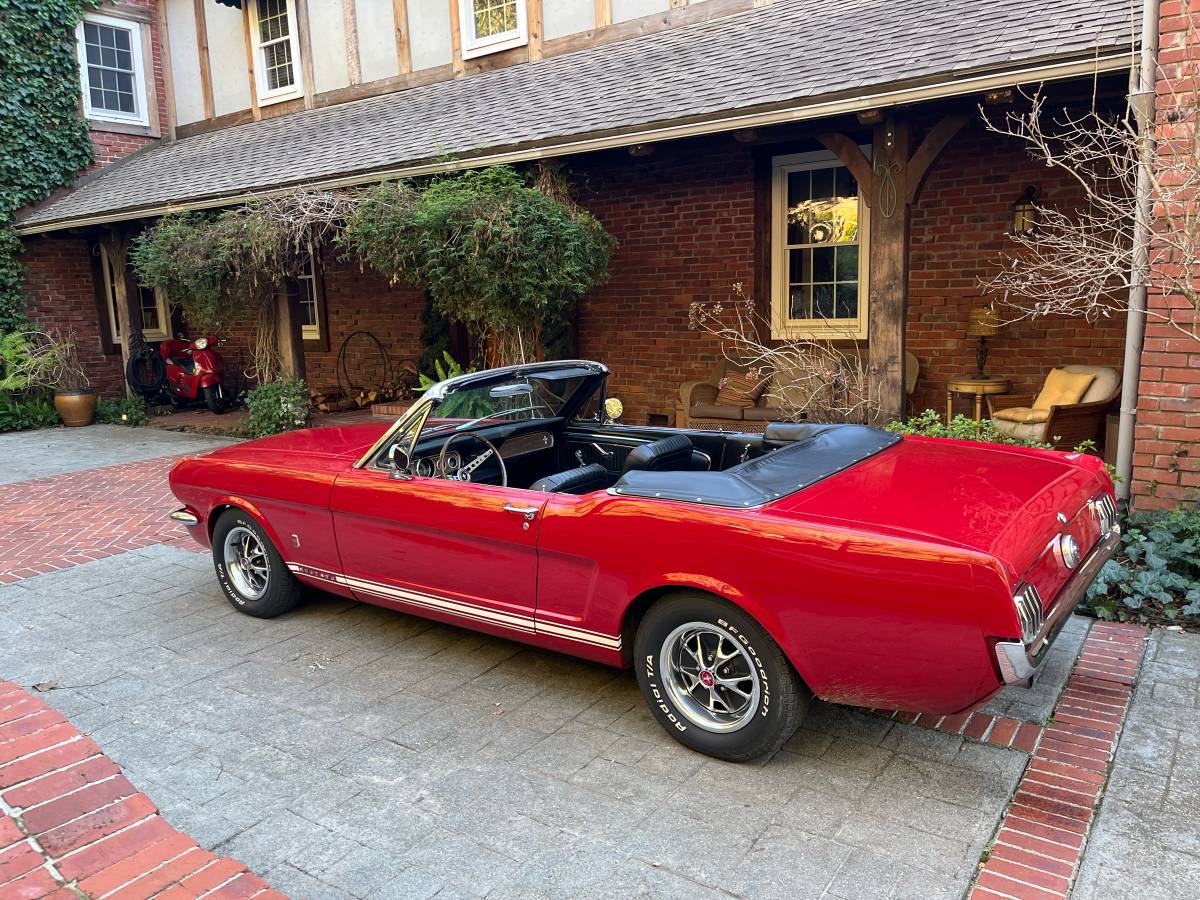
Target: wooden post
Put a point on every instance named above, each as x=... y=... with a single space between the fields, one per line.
x=288 y=334
x=206 y=87
x=115 y=243
x=891 y=183
x=403 y=50
x=533 y=17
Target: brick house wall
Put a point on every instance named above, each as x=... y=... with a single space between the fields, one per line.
x=685 y=219
x=1167 y=439
x=58 y=284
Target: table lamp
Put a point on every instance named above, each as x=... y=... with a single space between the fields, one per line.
x=982 y=324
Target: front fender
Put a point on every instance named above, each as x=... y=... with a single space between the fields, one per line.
x=210 y=379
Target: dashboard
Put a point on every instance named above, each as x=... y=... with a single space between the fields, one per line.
x=465 y=449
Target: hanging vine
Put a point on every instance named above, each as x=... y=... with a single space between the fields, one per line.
x=43 y=140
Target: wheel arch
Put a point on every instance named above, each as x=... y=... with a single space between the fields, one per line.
x=641 y=603
x=241 y=505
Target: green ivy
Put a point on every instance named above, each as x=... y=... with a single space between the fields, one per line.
x=43 y=140
x=1155 y=576
x=275 y=407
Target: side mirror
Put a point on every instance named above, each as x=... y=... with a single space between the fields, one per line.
x=399 y=463
x=613 y=409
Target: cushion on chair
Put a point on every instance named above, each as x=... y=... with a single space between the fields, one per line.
x=1025 y=414
x=715 y=411
x=1063 y=388
x=762 y=414
x=669 y=454
x=1108 y=381
x=739 y=389
x=582 y=480
x=1029 y=431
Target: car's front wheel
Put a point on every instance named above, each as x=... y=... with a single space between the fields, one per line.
x=715 y=679
x=250 y=570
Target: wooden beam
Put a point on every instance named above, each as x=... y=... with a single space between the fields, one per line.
x=930 y=149
x=678 y=4
x=115 y=241
x=456 y=58
x=350 y=28
x=603 y=13
x=852 y=157
x=403 y=48
x=252 y=80
x=206 y=88
x=288 y=336
x=533 y=18
x=164 y=52
x=888 y=267
x=306 y=56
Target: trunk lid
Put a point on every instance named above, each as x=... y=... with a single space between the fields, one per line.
x=1003 y=501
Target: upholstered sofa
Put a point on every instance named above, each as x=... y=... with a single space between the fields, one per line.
x=1065 y=426
x=697 y=406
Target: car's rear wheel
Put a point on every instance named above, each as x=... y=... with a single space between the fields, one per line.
x=250 y=570
x=714 y=678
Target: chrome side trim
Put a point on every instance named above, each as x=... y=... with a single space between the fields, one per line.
x=515 y=621
x=184 y=517
x=1018 y=663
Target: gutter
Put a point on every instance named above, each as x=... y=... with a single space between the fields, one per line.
x=1141 y=99
x=1109 y=61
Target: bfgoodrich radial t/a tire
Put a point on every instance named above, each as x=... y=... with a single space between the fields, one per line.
x=715 y=679
x=250 y=570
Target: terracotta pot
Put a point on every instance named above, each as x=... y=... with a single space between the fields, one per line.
x=76 y=408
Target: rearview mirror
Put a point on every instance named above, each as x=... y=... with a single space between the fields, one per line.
x=399 y=463
x=613 y=409
x=505 y=391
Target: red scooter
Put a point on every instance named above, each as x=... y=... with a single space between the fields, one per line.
x=194 y=370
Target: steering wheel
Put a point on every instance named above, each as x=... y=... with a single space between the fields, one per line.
x=464 y=472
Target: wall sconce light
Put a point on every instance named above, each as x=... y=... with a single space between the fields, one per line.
x=1025 y=212
x=641 y=150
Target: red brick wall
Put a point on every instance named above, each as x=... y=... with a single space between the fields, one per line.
x=958 y=233
x=61 y=298
x=364 y=301
x=111 y=145
x=1167 y=450
x=685 y=221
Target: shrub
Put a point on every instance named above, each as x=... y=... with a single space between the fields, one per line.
x=1155 y=576
x=127 y=411
x=276 y=406
x=961 y=428
x=24 y=413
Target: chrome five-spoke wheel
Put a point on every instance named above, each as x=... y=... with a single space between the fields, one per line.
x=711 y=679
x=247 y=563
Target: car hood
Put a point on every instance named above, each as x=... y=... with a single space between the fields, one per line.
x=998 y=500
x=333 y=442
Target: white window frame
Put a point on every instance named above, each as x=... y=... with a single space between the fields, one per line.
x=783 y=327
x=473 y=46
x=308 y=282
x=140 y=95
x=114 y=321
x=296 y=88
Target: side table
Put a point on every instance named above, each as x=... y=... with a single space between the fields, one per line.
x=980 y=387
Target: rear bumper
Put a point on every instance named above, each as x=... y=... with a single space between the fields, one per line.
x=1020 y=663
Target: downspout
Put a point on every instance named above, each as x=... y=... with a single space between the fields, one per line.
x=1141 y=99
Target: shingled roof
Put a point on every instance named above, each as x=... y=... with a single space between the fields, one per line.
x=788 y=59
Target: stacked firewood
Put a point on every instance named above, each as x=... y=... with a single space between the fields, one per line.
x=337 y=401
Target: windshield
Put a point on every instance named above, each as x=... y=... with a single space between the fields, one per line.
x=519 y=398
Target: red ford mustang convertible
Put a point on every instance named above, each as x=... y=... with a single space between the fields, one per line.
x=738 y=574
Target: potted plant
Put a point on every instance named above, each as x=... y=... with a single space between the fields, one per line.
x=74 y=399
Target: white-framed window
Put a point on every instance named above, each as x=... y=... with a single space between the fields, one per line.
x=111 y=70
x=156 y=315
x=310 y=304
x=819 y=229
x=489 y=26
x=276 y=50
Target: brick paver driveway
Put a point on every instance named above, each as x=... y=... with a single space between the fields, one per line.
x=348 y=751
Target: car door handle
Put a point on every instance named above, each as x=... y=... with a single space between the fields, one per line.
x=527 y=511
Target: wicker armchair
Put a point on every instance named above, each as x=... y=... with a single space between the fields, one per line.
x=1067 y=426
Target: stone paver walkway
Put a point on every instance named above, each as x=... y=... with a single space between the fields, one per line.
x=348 y=751
x=1146 y=840
x=71 y=824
